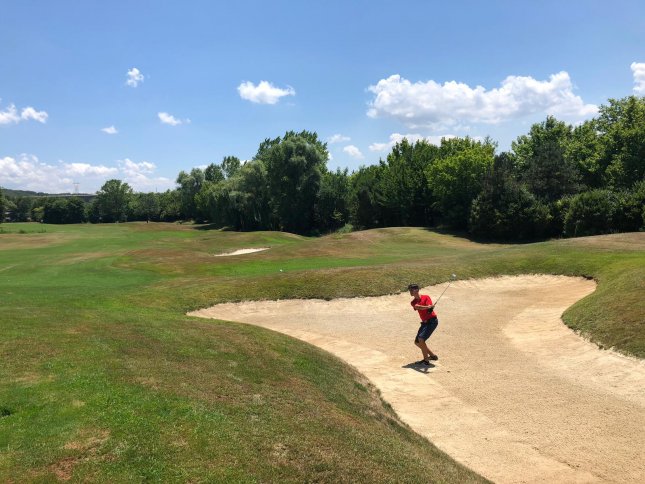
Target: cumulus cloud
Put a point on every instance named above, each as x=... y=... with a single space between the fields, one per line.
x=30 y=113
x=337 y=138
x=264 y=92
x=140 y=176
x=110 y=130
x=85 y=169
x=638 y=69
x=354 y=152
x=27 y=172
x=134 y=77
x=433 y=105
x=412 y=138
x=166 y=118
x=10 y=115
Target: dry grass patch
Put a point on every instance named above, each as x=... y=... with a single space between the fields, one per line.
x=630 y=241
x=85 y=448
x=32 y=241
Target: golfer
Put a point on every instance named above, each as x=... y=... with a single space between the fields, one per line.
x=429 y=322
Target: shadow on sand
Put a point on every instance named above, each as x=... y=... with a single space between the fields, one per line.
x=420 y=367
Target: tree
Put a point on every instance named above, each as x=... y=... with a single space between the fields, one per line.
x=170 y=205
x=332 y=208
x=22 y=213
x=3 y=206
x=189 y=186
x=252 y=185
x=294 y=168
x=146 y=206
x=584 y=151
x=230 y=166
x=541 y=161
x=621 y=127
x=75 y=211
x=591 y=213
x=365 y=185
x=630 y=214
x=310 y=136
x=213 y=173
x=213 y=202
x=505 y=209
x=113 y=201
x=455 y=178
x=55 y=211
x=405 y=193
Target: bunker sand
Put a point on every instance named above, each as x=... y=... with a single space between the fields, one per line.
x=241 y=251
x=516 y=395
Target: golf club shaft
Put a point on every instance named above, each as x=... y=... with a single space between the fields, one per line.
x=439 y=298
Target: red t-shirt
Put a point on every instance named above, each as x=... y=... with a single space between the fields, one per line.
x=424 y=300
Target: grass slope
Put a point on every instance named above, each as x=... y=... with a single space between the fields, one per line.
x=104 y=378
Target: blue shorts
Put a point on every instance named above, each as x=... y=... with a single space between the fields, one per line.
x=426 y=329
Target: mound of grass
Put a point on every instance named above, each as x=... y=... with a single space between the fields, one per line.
x=105 y=378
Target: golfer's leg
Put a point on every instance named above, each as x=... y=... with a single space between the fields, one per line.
x=422 y=346
x=426 y=351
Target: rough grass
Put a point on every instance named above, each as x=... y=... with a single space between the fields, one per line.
x=105 y=379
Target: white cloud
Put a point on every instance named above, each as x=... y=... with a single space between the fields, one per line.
x=31 y=113
x=10 y=115
x=27 y=172
x=412 y=138
x=134 y=77
x=140 y=176
x=264 y=92
x=166 y=118
x=638 y=69
x=110 y=130
x=433 y=105
x=85 y=169
x=354 y=152
x=338 y=138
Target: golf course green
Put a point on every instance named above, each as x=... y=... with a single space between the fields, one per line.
x=105 y=378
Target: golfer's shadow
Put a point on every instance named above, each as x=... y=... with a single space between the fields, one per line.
x=420 y=367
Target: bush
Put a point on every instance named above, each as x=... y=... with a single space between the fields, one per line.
x=508 y=212
x=592 y=213
x=631 y=206
x=558 y=211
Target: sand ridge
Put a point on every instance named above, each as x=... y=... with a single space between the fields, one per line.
x=516 y=395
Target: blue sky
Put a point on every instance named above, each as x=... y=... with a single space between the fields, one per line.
x=140 y=90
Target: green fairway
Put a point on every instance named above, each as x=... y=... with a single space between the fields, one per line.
x=104 y=378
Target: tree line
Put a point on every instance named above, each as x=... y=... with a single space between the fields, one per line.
x=556 y=180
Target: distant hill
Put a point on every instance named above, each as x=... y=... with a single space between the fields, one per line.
x=8 y=192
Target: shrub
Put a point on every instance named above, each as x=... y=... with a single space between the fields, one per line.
x=629 y=215
x=508 y=211
x=591 y=213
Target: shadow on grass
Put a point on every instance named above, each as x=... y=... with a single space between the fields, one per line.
x=483 y=240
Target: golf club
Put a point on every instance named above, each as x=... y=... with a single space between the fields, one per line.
x=452 y=278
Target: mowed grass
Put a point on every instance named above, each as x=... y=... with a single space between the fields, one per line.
x=103 y=377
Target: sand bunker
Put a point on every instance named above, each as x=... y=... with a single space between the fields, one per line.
x=242 y=251
x=515 y=395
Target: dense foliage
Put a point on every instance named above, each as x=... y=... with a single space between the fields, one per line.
x=556 y=180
